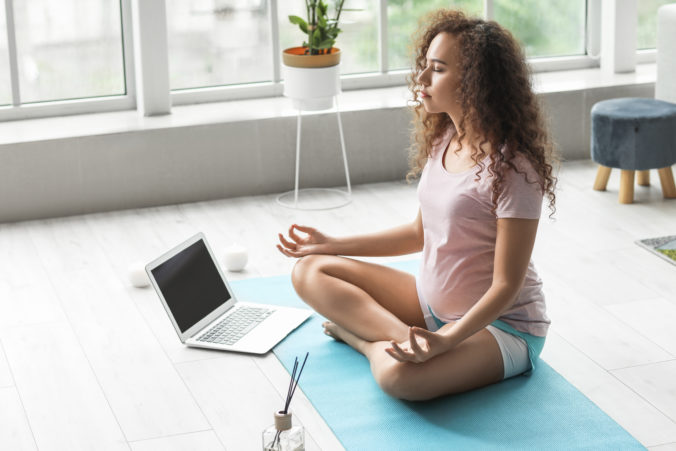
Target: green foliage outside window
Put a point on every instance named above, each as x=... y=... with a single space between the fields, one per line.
x=403 y=18
x=646 y=30
x=552 y=28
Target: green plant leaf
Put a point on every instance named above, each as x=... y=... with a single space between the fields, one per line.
x=323 y=7
x=326 y=44
x=300 y=22
x=297 y=20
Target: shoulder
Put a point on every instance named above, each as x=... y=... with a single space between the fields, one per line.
x=521 y=194
x=522 y=171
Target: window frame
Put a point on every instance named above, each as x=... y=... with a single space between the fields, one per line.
x=125 y=101
x=380 y=78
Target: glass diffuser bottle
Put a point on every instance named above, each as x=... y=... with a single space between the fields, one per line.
x=283 y=436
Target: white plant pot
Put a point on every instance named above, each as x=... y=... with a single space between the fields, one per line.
x=311 y=88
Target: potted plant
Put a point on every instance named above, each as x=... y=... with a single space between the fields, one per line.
x=321 y=32
x=311 y=72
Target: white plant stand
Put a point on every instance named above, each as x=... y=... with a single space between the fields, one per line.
x=314 y=89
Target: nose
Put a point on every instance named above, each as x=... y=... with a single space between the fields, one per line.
x=422 y=77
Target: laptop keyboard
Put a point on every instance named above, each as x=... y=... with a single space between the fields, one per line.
x=234 y=326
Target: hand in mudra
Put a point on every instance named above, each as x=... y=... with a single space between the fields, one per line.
x=313 y=242
x=421 y=346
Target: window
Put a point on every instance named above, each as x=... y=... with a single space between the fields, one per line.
x=646 y=30
x=552 y=28
x=68 y=49
x=358 y=39
x=214 y=42
x=76 y=49
x=5 y=83
x=403 y=18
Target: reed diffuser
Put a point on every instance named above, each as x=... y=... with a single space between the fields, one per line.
x=282 y=435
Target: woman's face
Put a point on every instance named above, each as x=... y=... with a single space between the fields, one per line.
x=441 y=78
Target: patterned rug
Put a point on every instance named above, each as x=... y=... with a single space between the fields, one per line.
x=664 y=247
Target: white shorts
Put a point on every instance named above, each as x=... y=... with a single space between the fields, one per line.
x=514 y=349
x=514 y=352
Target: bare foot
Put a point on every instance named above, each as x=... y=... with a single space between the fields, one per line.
x=340 y=334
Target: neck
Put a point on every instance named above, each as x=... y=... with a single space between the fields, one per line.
x=471 y=136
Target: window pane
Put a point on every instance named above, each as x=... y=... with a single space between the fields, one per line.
x=69 y=49
x=218 y=42
x=552 y=28
x=358 y=40
x=402 y=21
x=646 y=31
x=5 y=88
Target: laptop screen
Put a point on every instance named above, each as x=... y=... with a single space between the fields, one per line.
x=191 y=285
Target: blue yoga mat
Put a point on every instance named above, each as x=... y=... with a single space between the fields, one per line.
x=542 y=411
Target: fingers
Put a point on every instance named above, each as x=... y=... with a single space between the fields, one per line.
x=415 y=347
x=304 y=229
x=293 y=234
x=401 y=355
x=394 y=355
x=289 y=252
x=287 y=244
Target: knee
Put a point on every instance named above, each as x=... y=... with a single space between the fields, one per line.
x=305 y=271
x=398 y=381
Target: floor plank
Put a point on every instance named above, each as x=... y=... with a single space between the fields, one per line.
x=6 y=379
x=653 y=318
x=15 y=432
x=63 y=401
x=202 y=441
x=655 y=383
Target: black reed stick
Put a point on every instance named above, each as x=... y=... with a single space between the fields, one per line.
x=291 y=390
x=288 y=400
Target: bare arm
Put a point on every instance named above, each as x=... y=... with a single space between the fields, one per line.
x=400 y=240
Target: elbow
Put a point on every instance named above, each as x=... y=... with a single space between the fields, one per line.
x=507 y=292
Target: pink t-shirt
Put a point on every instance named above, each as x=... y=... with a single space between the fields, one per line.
x=460 y=232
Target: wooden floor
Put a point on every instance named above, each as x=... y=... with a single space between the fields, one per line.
x=89 y=362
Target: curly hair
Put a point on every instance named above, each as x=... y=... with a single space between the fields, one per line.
x=496 y=97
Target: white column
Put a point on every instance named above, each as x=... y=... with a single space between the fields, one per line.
x=11 y=48
x=152 y=57
x=382 y=36
x=618 y=35
x=665 y=86
x=489 y=12
x=593 y=39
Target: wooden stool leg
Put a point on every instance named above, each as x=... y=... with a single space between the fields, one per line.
x=644 y=178
x=602 y=176
x=626 y=187
x=667 y=182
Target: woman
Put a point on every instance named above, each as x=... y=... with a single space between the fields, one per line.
x=476 y=313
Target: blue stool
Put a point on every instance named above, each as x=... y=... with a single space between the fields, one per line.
x=634 y=134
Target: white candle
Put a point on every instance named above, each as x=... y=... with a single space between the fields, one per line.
x=235 y=257
x=137 y=275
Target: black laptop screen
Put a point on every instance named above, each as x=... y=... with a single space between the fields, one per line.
x=191 y=285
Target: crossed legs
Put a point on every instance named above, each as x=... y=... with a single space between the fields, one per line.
x=368 y=305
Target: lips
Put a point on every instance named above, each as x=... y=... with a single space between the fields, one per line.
x=423 y=94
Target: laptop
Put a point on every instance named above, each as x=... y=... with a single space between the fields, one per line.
x=204 y=310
